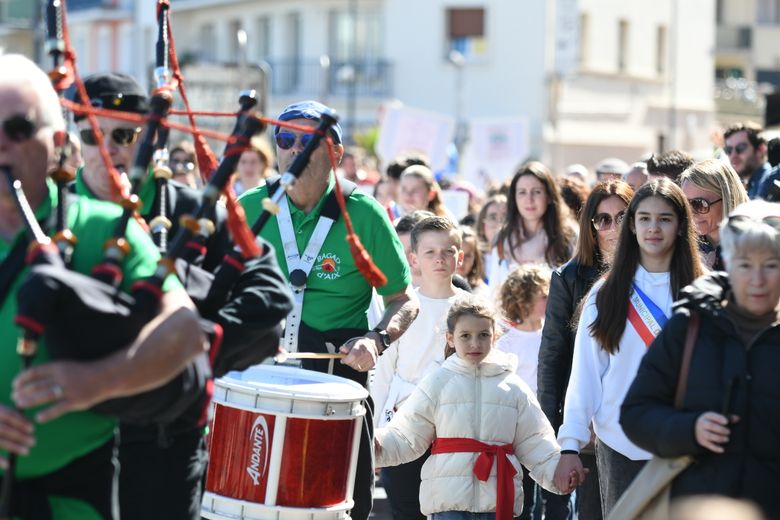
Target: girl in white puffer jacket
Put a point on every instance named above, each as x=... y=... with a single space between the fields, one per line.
x=482 y=421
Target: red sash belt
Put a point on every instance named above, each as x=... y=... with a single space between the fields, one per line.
x=505 y=471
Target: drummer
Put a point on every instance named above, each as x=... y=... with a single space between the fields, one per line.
x=65 y=468
x=332 y=296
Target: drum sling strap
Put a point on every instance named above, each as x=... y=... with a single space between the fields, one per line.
x=299 y=266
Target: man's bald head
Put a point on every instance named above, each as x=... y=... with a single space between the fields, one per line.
x=19 y=71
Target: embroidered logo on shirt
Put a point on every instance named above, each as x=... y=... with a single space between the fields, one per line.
x=328 y=266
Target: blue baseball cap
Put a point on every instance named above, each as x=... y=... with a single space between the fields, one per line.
x=308 y=110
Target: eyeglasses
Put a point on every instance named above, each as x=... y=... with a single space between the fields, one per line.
x=286 y=140
x=741 y=147
x=182 y=167
x=604 y=221
x=19 y=128
x=120 y=136
x=494 y=219
x=702 y=206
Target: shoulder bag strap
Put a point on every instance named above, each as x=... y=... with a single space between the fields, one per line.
x=685 y=367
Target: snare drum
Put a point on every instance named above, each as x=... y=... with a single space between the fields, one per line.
x=283 y=445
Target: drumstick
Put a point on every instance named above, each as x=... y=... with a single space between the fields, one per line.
x=281 y=357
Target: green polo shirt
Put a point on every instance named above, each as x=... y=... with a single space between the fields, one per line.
x=75 y=434
x=337 y=295
x=146 y=192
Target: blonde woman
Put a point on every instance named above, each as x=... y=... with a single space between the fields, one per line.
x=713 y=190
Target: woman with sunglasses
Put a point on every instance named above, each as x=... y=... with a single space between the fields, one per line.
x=713 y=190
x=656 y=256
x=489 y=221
x=730 y=418
x=599 y=226
x=537 y=228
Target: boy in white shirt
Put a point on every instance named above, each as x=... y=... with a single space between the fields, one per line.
x=436 y=254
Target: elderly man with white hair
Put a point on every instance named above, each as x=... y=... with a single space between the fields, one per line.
x=64 y=452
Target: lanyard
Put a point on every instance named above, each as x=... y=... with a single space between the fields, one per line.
x=298 y=266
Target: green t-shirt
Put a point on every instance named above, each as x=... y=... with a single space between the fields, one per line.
x=337 y=295
x=146 y=192
x=75 y=434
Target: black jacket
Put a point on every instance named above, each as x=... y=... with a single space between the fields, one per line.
x=570 y=283
x=750 y=466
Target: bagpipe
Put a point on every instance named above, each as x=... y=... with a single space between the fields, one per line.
x=53 y=298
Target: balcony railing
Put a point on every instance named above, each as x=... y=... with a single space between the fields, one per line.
x=367 y=78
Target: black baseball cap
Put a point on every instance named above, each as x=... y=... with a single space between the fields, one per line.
x=113 y=91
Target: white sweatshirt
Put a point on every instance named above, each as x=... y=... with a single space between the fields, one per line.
x=525 y=345
x=411 y=357
x=599 y=381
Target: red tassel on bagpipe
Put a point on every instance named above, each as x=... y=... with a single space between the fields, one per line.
x=362 y=259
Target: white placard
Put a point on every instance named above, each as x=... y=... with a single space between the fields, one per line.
x=405 y=130
x=496 y=148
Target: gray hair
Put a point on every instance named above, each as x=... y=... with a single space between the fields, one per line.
x=718 y=177
x=19 y=71
x=754 y=225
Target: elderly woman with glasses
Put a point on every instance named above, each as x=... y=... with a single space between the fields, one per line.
x=713 y=190
x=730 y=416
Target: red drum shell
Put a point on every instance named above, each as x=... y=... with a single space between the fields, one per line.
x=283 y=437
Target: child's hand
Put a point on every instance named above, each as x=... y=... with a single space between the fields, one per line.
x=568 y=465
x=574 y=480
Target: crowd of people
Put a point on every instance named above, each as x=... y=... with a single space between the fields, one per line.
x=523 y=350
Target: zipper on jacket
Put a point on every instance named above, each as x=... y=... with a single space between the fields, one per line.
x=478 y=417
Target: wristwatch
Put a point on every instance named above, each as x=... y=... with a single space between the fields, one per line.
x=384 y=338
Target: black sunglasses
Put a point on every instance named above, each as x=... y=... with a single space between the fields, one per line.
x=603 y=221
x=702 y=206
x=120 y=136
x=741 y=147
x=19 y=128
x=286 y=140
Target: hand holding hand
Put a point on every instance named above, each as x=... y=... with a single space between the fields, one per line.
x=569 y=473
x=361 y=353
x=712 y=430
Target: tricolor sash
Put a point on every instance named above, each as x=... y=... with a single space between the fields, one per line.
x=645 y=316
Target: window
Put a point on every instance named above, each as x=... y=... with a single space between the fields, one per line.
x=768 y=12
x=466 y=32
x=622 y=51
x=263 y=37
x=293 y=32
x=362 y=42
x=584 y=39
x=208 y=43
x=235 y=49
x=288 y=72
x=660 y=50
